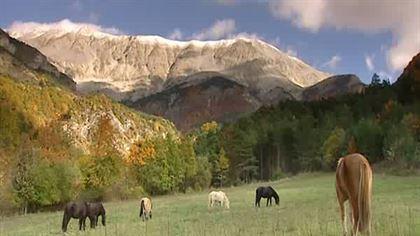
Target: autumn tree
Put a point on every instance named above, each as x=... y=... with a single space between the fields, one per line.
x=332 y=147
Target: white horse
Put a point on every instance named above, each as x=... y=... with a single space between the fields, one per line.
x=218 y=197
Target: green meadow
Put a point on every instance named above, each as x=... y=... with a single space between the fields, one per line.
x=307 y=207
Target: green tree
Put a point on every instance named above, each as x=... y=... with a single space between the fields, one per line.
x=99 y=173
x=333 y=147
x=23 y=182
x=400 y=146
x=369 y=139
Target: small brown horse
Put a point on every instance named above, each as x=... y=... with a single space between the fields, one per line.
x=354 y=183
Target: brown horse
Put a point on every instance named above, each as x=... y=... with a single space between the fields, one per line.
x=354 y=183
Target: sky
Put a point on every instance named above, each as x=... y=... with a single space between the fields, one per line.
x=338 y=36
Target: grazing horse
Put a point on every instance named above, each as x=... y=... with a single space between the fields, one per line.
x=266 y=192
x=145 y=208
x=219 y=197
x=95 y=210
x=75 y=210
x=354 y=183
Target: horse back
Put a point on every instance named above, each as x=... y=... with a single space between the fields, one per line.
x=146 y=204
x=76 y=210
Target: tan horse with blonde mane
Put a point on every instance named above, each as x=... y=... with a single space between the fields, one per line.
x=145 y=208
x=354 y=183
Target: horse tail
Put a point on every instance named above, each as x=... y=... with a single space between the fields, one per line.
x=141 y=208
x=210 y=197
x=364 y=197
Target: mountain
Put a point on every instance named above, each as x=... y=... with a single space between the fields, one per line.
x=182 y=81
x=408 y=84
x=21 y=61
x=333 y=86
x=131 y=67
x=34 y=97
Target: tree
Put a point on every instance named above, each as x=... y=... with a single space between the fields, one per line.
x=223 y=166
x=99 y=173
x=369 y=139
x=332 y=147
x=23 y=182
x=376 y=80
x=401 y=147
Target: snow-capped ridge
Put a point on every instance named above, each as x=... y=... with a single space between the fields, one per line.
x=34 y=29
x=131 y=67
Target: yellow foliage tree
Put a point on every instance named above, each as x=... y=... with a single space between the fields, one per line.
x=140 y=153
x=210 y=127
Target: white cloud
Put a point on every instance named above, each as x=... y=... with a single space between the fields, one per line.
x=246 y=35
x=220 y=29
x=333 y=62
x=176 y=34
x=20 y=28
x=369 y=62
x=401 y=18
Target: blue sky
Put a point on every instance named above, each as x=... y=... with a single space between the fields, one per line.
x=359 y=37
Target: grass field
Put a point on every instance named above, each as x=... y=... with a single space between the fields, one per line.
x=307 y=207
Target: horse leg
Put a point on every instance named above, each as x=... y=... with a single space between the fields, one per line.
x=341 y=202
x=80 y=223
x=92 y=221
x=271 y=203
x=66 y=220
x=150 y=214
x=267 y=201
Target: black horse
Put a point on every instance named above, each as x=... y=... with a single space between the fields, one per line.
x=266 y=192
x=81 y=211
x=95 y=210
x=77 y=210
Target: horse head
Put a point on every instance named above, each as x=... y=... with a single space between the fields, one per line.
x=226 y=202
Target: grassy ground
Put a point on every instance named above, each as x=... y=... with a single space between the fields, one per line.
x=307 y=207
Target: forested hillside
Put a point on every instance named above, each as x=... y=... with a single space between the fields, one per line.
x=383 y=123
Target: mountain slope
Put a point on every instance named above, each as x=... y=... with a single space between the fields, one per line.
x=34 y=95
x=333 y=86
x=146 y=72
x=20 y=61
x=131 y=67
x=408 y=84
